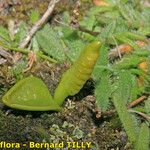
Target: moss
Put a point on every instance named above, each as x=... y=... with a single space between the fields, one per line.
x=20 y=10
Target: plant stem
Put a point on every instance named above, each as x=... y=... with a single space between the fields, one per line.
x=140 y=113
x=26 y=51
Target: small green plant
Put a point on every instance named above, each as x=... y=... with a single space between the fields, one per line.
x=32 y=94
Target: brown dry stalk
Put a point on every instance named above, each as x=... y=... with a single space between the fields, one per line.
x=4 y=53
x=140 y=113
x=132 y=104
x=113 y=111
x=137 y=101
x=123 y=49
x=31 y=60
x=100 y=3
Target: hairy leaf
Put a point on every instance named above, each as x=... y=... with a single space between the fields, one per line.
x=102 y=91
x=147 y=106
x=125 y=85
x=108 y=31
x=35 y=45
x=144 y=138
x=102 y=62
x=128 y=62
x=4 y=34
x=88 y=22
x=51 y=43
x=134 y=89
x=102 y=74
x=120 y=105
x=74 y=49
x=125 y=118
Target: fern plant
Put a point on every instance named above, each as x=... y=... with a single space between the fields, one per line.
x=120 y=98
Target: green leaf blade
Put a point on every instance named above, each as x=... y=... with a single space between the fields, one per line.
x=144 y=138
x=51 y=43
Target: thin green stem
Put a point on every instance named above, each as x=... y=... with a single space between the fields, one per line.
x=26 y=51
x=46 y=58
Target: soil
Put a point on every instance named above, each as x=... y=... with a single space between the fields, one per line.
x=76 y=122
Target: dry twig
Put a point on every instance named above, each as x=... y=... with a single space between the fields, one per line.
x=100 y=3
x=113 y=111
x=39 y=24
x=124 y=49
x=32 y=59
x=140 y=113
x=137 y=101
x=5 y=54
